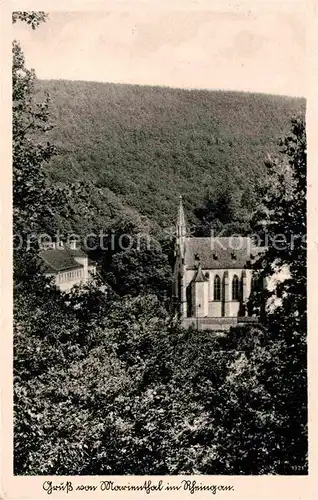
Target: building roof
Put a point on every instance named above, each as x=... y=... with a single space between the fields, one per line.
x=221 y=252
x=199 y=276
x=76 y=252
x=60 y=259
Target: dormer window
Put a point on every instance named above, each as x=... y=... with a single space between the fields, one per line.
x=215 y=256
x=196 y=257
x=73 y=244
x=233 y=256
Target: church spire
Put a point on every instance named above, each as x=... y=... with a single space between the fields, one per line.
x=181 y=230
x=181 y=223
x=180 y=251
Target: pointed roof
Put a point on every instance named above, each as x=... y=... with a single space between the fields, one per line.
x=181 y=223
x=199 y=276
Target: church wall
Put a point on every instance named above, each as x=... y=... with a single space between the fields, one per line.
x=200 y=298
x=233 y=308
x=215 y=309
x=225 y=307
x=249 y=275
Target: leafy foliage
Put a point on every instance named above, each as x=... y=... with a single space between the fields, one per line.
x=283 y=216
x=226 y=214
x=283 y=224
x=138 y=395
x=29 y=176
x=36 y=202
x=33 y=19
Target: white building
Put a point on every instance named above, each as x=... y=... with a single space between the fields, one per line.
x=68 y=264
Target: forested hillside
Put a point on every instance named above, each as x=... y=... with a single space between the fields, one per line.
x=146 y=145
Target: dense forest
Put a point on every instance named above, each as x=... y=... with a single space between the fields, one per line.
x=106 y=381
x=144 y=146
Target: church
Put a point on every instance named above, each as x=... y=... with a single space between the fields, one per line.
x=213 y=278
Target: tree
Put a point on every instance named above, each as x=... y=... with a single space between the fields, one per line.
x=40 y=207
x=283 y=225
x=30 y=186
x=138 y=271
x=35 y=201
x=223 y=213
x=33 y=19
x=66 y=376
x=283 y=229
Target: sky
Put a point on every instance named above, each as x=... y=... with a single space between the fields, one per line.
x=258 y=49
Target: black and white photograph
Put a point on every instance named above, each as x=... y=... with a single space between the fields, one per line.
x=159 y=250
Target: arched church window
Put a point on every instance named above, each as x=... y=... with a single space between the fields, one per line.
x=235 y=288
x=217 y=288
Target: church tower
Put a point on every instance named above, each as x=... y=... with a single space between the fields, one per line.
x=180 y=249
x=181 y=229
